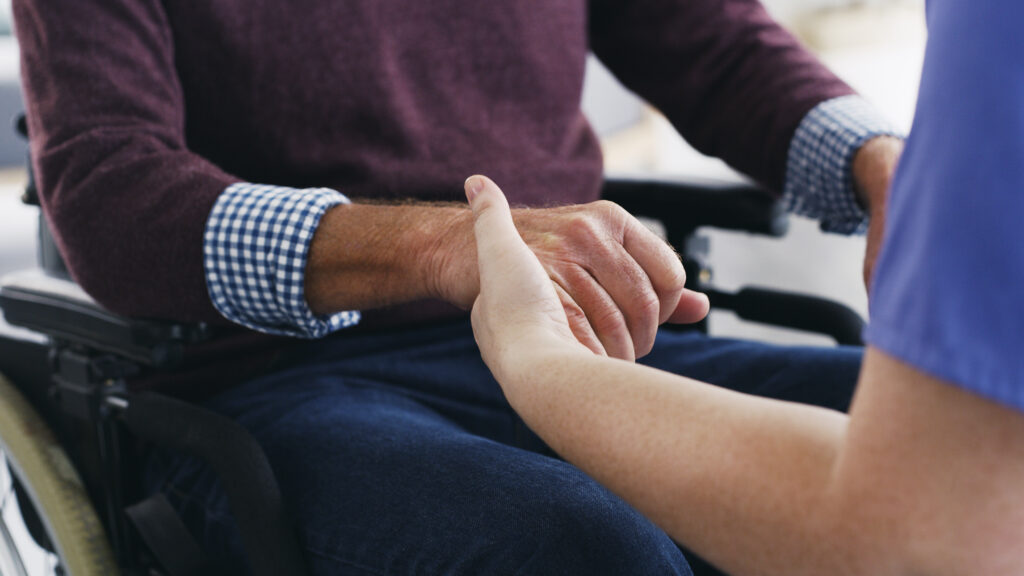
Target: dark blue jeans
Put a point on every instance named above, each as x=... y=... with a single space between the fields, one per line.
x=398 y=454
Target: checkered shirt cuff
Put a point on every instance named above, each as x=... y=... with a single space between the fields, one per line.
x=254 y=252
x=819 y=171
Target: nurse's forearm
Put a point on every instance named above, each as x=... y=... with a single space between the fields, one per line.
x=741 y=480
x=922 y=478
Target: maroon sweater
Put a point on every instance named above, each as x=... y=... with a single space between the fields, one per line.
x=141 y=112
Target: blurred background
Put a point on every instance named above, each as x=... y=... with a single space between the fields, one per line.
x=875 y=45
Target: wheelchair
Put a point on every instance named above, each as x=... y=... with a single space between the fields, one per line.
x=72 y=426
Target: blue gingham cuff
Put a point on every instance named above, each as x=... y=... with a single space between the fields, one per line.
x=819 y=170
x=254 y=252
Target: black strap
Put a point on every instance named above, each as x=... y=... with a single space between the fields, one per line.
x=167 y=538
x=266 y=528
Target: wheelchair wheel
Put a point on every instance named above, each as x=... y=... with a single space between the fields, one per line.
x=47 y=523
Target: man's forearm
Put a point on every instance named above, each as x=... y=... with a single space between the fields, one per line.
x=367 y=255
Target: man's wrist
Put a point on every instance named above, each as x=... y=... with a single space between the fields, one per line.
x=367 y=256
x=873 y=166
x=446 y=263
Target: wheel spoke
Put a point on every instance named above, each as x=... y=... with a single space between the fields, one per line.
x=17 y=546
x=6 y=482
x=10 y=559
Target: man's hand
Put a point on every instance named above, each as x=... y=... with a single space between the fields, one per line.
x=873 y=167
x=617 y=281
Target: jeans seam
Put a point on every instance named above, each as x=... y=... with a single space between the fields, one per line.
x=328 y=555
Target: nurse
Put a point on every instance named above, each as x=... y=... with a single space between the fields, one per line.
x=926 y=474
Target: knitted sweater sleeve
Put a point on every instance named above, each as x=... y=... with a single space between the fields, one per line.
x=732 y=81
x=126 y=198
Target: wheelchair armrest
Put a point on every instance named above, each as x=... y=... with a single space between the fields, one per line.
x=60 y=309
x=685 y=205
x=789 y=310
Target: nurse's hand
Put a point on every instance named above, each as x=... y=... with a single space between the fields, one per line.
x=518 y=311
x=518 y=315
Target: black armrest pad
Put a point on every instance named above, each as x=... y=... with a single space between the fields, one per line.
x=60 y=309
x=685 y=205
x=797 y=311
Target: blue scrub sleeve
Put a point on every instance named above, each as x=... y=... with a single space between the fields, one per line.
x=948 y=296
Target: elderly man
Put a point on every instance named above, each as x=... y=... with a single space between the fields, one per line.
x=283 y=168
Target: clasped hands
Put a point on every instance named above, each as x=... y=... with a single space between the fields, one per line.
x=589 y=278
